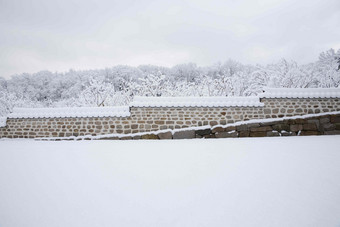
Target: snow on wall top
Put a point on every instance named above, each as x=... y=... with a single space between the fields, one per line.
x=195 y=101
x=116 y=111
x=3 y=121
x=300 y=93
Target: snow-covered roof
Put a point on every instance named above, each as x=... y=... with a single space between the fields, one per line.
x=300 y=93
x=3 y=121
x=195 y=101
x=114 y=111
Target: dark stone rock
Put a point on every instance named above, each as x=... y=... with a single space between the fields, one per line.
x=261 y=129
x=149 y=137
x=203 y=132
x=337 y=126
x=230 y=128
x=189 y=134
x=126 y=138
x=243 y=134
x=258 y=134
x=300 y=121
x=226 y=134
x=310 y=127
x=285 y=133
x=281 y=127
x=335 y=132
x=296 y=128
x=110 y=138
x=217 y=129
x=328 y=127
x=136 y=137
x=324 y=120
x=335 y=118
x=309 y=133
x=165 y=136
x=209 y=136
x=315 y=121
x=242 y=128
x=253 y=125
x=269 y=123
x=273 y=133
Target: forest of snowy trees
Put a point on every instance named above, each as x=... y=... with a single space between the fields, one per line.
x=118 y=85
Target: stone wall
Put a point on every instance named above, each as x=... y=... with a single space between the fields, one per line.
x=159 y=118
x=147 y=119
x=325 y=124
x=64 y=127
x=286 y=107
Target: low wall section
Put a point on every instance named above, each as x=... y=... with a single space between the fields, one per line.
x=147 y=116
x=306 y=125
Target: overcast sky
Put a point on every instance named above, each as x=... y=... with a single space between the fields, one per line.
x=87 y=34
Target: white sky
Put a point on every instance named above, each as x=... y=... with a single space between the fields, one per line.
x=87 y=34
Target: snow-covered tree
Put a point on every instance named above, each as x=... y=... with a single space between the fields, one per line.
x=117 y=85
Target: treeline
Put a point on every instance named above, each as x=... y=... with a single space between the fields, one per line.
x=118 y=85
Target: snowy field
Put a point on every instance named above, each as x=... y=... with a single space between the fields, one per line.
x=226 y=182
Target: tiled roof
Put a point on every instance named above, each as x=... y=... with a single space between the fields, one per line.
x=300 y=93
x=195 y=101
x=116 y=111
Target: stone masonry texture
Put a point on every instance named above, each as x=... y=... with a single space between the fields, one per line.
x=148 y=119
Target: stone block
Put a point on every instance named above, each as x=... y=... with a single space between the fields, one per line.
x=253 y=125
x=242 y=127
x=273 y=133
x=334 y=132
x=149 y=137
x=309 y=133
x=226 y=134
x=310 y=127
x=230 y=128
x=189 y=134
x=337 y=126
x=261 y=129
x=209 y=136
x=314 y=121
x=281 y=127
x=270 y=123
x=258 y=134
x=110 y=138
x=296 y=128
x=203 y=132
x=324 y=120
x=300 y=121
x=126 y=138
x=212 y=123
x=328 y=127
x=267 y=111
x=285 y=133
x=335 y=118
x=165 y=135
x=243 y=134
x=217 y=129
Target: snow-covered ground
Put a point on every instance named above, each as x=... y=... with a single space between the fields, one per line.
x=291 y=181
